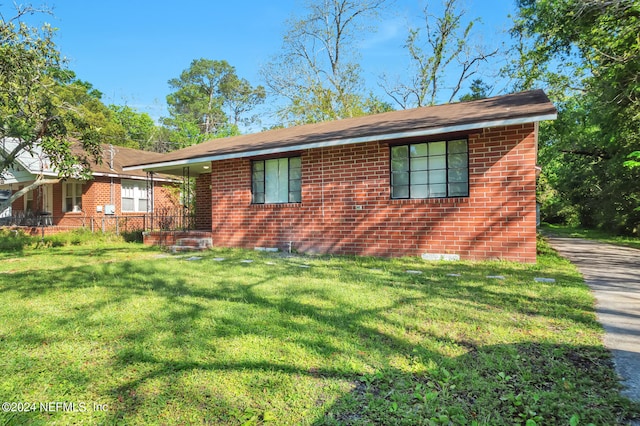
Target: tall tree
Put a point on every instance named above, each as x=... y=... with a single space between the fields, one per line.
x=581 y=45
x=317 y=72
x=118 y=125
x=240 y=98
x=442 y=58
x=478 y=90
x=139 y=127
x=586 y=52
x=32 y=112
x=86 y=102
x=209 y=100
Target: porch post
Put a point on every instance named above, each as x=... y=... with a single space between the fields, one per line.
x=150 y=197
x=186 y=202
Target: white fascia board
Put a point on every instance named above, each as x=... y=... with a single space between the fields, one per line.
x=24 y=175
x=114 y=175
x=187 y=162
x=349 y=141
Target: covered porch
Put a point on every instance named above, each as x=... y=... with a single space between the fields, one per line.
x=196 y=196
x=95 y=205
x=35 y=208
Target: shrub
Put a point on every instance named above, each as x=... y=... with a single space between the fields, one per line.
x=14 y=240
x=132 y=236
x=79 y=237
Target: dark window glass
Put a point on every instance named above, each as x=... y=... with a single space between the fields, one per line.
x=430 y=170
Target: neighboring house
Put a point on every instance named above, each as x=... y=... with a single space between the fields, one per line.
x=4 y=196
x=111 y=193
x=456 y=179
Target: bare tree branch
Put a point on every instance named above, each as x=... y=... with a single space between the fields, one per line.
x=433 y=50
x=317 y=71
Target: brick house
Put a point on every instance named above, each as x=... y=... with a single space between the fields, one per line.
x=456 y=179
x=72 y=203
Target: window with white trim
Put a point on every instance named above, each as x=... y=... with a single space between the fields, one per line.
x=72 y=197
x=28 y=202
x=134 y=196
x=430 y=170
x=276 y=180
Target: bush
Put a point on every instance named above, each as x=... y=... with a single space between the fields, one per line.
x=14 y=240
x=18 y=240
x=132 y=236
x=80 y=237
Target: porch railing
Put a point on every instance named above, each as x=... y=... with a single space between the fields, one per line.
x=164 y=221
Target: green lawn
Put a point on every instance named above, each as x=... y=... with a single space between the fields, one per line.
x=132 y=335
x=590 y=234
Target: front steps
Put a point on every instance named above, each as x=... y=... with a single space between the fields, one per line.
x=191 y=244
x=179 y=241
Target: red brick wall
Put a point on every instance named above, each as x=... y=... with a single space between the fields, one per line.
x=203 y=201
x=497 y=220
x=18 y=205
x=70 y=219
x=98 y=193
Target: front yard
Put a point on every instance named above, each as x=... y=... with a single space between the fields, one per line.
x=119 y=333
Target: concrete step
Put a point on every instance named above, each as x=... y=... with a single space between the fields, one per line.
x=195 y=242
x=191 y=244
x=178 y=249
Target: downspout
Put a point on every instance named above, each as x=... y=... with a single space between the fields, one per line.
x=150 y=198
x=112 y=192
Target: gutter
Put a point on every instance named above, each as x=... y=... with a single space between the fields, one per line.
x=348 y=141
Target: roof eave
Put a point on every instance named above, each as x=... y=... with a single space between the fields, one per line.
x=348 y=141
x=133 y=177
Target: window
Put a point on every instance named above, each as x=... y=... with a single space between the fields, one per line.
x=276 y=180
x=430 y=170
x=72 y=197
x=134 y=196
x=28 y=202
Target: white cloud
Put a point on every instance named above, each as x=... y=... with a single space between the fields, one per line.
x=390 y=30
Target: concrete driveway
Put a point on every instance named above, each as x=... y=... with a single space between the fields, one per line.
x=613 y=273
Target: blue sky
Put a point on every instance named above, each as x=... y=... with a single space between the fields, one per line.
x=129 y=49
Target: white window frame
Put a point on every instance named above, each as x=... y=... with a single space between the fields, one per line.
x=28 y=199
x=75 y=188
x=136 y=191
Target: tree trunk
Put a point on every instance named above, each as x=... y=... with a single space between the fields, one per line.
x=38 y=182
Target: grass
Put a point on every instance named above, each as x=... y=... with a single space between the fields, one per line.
x=590 y=234
x=132 y=335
